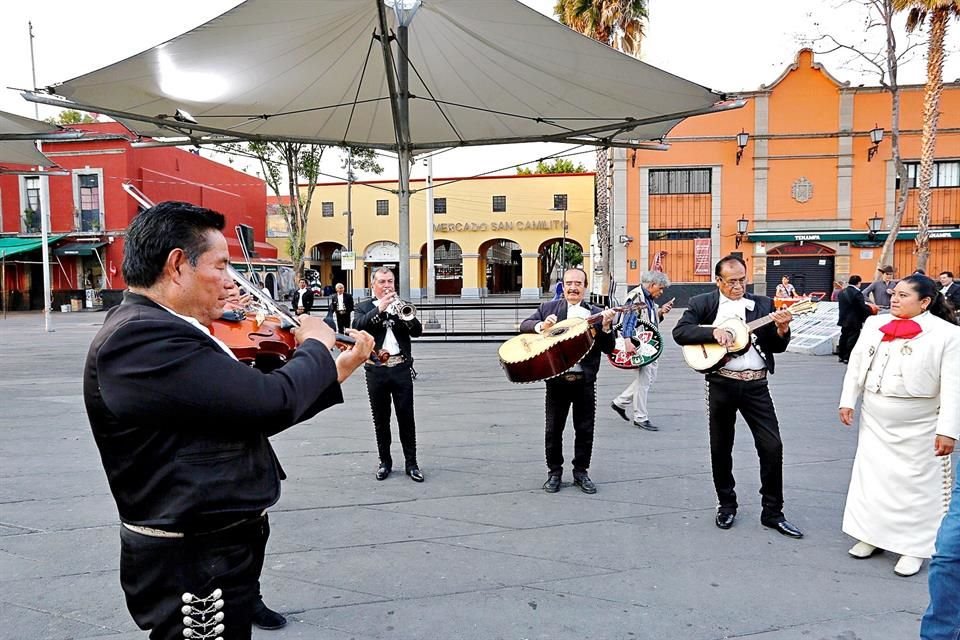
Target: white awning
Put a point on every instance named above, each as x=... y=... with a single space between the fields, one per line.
x=22 y=151
x=481 y=72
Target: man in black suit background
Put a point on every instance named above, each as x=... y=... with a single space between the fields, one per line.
x=576 y=387
x=392 y=379
x=341 y=307
x=740 y=384
x=853 y=312
x=950 y=290
x=181 y=426
x=303 y=299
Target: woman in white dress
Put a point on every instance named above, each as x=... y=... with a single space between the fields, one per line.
x=901 y=480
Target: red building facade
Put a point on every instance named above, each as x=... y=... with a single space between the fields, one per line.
x=89 y=212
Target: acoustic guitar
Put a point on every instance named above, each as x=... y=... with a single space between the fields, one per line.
x=531 y=357
x=710 y=356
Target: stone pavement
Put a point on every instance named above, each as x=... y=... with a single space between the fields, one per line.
x=478 y=551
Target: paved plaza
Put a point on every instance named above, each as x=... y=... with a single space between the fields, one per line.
x=478 y=551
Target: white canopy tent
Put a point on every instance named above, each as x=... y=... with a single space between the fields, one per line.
x=449 y=73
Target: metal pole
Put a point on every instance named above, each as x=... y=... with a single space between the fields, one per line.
x=45 y=249
x=33 y=69
x=405 y=158
x=431 y=322
x=563 y=244
x=3 y=282
x=350 y=213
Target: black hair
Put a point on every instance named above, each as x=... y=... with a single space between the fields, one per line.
x=927 y=288
x=726 y=260
x=157 y=231
x=949 y=274
x=854 y=280
x=920 y=271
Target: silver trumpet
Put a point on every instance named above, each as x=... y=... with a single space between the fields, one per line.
x=404 y=310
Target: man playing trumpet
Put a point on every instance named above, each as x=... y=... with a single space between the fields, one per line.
x=392 y=378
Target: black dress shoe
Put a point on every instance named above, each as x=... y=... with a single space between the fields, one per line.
x=645 y=424
x=725 y=519
x=267 y=618
x=620 y=410
x=382 y=472
x=415 y=475
x=585 y=483
x=552 y=485
x=785 y=528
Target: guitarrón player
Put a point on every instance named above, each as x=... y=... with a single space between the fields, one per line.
x=740 y=384
x=576 y=387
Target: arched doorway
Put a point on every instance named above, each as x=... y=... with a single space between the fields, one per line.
x=378 y=254
x=325 y=261
x=808 y=265
x=447 y=267
x=501 y=266
x=552 y=262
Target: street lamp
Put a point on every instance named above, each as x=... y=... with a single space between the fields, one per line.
x=876 y=136
x=741 y=230
x=742 y=139
x=874 y=225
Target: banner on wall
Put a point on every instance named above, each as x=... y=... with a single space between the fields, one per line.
x=701 y=256
x=348 y=260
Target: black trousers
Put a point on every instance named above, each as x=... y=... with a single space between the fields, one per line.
x=752 y=399
x=849 y=334
x=156 y=573
x=343 y=320
x=383 y=385
x=560 y=396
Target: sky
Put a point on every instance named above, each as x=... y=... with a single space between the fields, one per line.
x=727 y=46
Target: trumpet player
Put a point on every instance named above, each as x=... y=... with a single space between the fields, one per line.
x=391 y=324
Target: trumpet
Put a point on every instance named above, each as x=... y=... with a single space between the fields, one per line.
x=404 y=310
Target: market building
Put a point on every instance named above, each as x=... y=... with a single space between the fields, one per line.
x=799 y=182
x=492 y=235
x=88 y=211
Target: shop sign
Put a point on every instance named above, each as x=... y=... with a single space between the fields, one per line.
x=701 y=256
x=504 y=225
x=348 y=260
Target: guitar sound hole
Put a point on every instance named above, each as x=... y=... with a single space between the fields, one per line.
x=558 y=331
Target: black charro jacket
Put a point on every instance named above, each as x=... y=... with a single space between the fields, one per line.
x=702 y=309
x=369 y=318
x=182 y=426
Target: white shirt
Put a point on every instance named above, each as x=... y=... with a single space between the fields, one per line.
x=340 y=306
x=576 y=311
x=390 y=343
x=751 y=359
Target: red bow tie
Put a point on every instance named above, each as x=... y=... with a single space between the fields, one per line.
x=900 y=329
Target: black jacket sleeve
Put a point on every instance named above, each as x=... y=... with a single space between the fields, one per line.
x=688 y=329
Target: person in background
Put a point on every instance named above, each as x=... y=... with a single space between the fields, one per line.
x=182 y=427
x=741 y=385
x=341 y=307
x=950 y=290
x=837 y=289
x=576 y=387
x=303 y=299
x=907 y=372
x=634 y=397
x=881 y=289
x=853 y=311
x=785 y=289
x=558 y=290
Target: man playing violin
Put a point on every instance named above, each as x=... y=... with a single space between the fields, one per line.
x=741 y=385
x=392 y=378
x=576 y=387
x=182 y=427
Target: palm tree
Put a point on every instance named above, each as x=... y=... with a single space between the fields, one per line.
x=939 y=12
x=618 y=24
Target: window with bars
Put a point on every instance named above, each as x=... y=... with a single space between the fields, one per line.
x=439 y=205
x=383 y=207
x=677 y=181
x=945 y=174
x=560 y=201
x=31 y=210
x=499 y=204
x=88 y=192
x=326 y=209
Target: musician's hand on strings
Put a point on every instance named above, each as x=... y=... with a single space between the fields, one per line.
x=355 y=355
x=548 y=322
x=846 y=415
x=724 y=337
x=316 y=328
x=782 y=319
x=943 y=445
x=608 y=315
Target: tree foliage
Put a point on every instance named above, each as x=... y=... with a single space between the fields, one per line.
x=70 y=116
x=617 y=23
x=559 y=165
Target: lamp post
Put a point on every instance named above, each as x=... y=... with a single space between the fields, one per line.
x=742 y=138
x=874 y=225
x=742 y=224
x=562 y=206
x=876 y=136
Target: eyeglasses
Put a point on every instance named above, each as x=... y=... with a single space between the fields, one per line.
x=734 y=282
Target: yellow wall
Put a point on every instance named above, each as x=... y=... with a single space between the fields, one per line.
x=469 y=221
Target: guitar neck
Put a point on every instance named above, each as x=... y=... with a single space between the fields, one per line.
x=759 y=322
x=626 y=307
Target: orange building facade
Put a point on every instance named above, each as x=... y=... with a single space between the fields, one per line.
x=805 y=182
